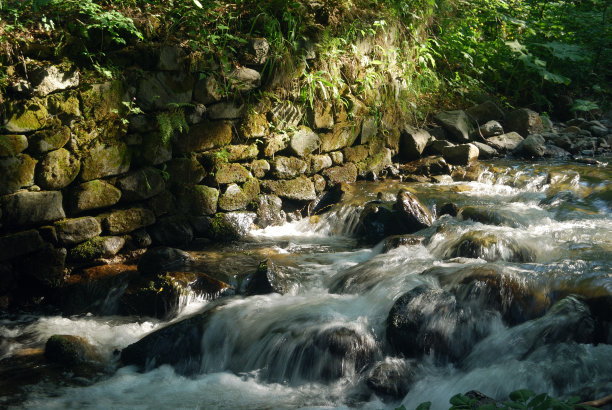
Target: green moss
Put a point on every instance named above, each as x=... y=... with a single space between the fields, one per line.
x=88 y=250
x=221 y=229
x=29 y=116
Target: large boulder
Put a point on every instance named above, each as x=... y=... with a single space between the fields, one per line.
x=92 y=195
x=74 y=231
x=457 y=123
x=106 y=160
x=393 y=377
x=304 y=141
x=413 y=142
x=142 y=184
x=524 y=121
x=301 y=188
x=346 y=173
x=172 y=231
x=57 y=169
x=17 y=172
x=505 y=142
x=48 y=79
x=157 y=297
x=229 y=173
x=342 y=135
x=531 y=147
x=461 y=154
x=27 y=116
x=487 y=111
x=31 y=208
x=199 y=200
x=269 y=211
x=411 y=212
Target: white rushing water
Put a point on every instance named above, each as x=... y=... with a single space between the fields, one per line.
x=316 y=346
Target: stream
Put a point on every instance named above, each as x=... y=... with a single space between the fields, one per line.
x=322 y=344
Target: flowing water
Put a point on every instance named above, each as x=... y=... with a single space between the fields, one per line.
x=318 y=345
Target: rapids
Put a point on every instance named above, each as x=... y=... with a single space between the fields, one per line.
x=317 y=345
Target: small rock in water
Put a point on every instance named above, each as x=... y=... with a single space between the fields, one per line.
x=69 y=350
x=393 y=377
x=267 y=279
x=163 y=259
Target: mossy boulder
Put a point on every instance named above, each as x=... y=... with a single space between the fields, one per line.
x=233 y=199
x=106 y=160
x=227 y=227
x=301 y=188
x=122 y=221
x=31 y=208
x=157 y=298
x=274 y=143
x=320 y=162
x=27 y=116
x=12 y=144
x=103 y=101
x=65 y=105
x=490 y=247
x=49 y=139
x=98 y=247
x=186 y=171
x=198 y=200
x=17 y=172
x=69 y=351
x=343 y=135
x=90 y=195
x=336 y=175
x=356 y=154
x=304 y=141
x=254 y=125
x=57 y=169
x=375 y=164
x=154 y=151
x=288 y=167
x=242 y=152
x=259 y=168
x=77 y=230
x=205 y=136
x=20 y=244
x=142 y=184
x=229 y=173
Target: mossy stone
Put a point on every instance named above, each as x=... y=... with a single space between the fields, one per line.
x=222 y=229
x=106 y=160
x=12 y=144
x=233 y=199
x=57 y=169
x=205 y=136
x=230 y=173
x=122 y=221
x=98 y=247
x=31 y=208
x=101 y=101
x=343 y=135
x=77 y=230
x=28 y=116
x=157 y=298
x=357 y=153
x=199 y=200
x=336 y=175
x=289 y=167
x=142 y=184
x=254 y=125
x=259 y=168
x=17 y=172
x=93 y=195
x=186 y=171
x=64 y=104
x=301 y=188
x=154 y=151
x=243 y=152
x=49 y=139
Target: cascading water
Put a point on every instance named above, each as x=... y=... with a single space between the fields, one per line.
x=489 y=292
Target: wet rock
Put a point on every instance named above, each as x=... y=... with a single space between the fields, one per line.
x=448 y=209
x=92 y=195
x=157 y=298
x=269 y=211
x=17 y=172
x=226 y=227
x=505 y=142
x=46 y=80
x=69 y=350
x=524 y=121
x=122 y=221
x=393 y=377
x=162 y=259
x=31 y=208
x=226 y=110
x=204 y=136
x=395 y=241
x=460 y=154
x=268 y=278
x=13 y=144
x=531 y=147
x=342 y=135
x=57 y=169
x=326 y=200
x=426 y=167
x=411 y=212
x=485 y=151
x=106 y=160
x=336 y=175
x=413 y=142
x=158 y=89
x=427 y=320
x=489 y=216
x=490 y=247
x=301 y=188
x=288 y=167
x=456 y=123
x=243 y=79
x=229 y=173
x=20 y=244
x=74 y=231
x=171 y=231
x=485 y=112
x=491 y=129
x=98 y=247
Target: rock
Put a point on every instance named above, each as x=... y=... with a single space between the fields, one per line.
x=226 y=110
x=490 y=247
x=552 y=151
x=186 y=171
x=448 y=209
x=375 y=164
x=288 y=167
x=199 y=200
x=66 y=106
x=229 y=173
x=239 y=153
x=304 y=141
x=524 y=121
x=435 y=147
x=393 y=377
x=427 y=166
x=156 y=90
x=485 y=112
x=20 y=244
x=505 y=142
x=98 y=247
x=171 y=231
x=102 y=101
x=17 y=172
x=319 y=183
x=301 y=188
x=531 y=147
x=254 y=125
x=460 y=154
x=269 y=211
x=226 y=227
x=205 y=136
x=491 y=129
x=267 y=279
x=142 y=184
x=158 y=298
x=286 y=115
x=342 y=135
x=355 y=154
x=69 y=351
x=233 y=199
x=92 y=195
x=122 y=221
x=562 y=141
x=431 y=321
x=257 y=52
x=12 y=144
x=154 y=151
x=485 y=151
x=46 y=80
x=456 y=123
x=74 y=231
x=259 y=168
x=413 y=142
x=57 y=170
x=31 y=208
x=163 y=259
x=28 y=116
x=598 y=130
x=369 y=129
x=322 y=115
x=335 y=175
x=171 y=58
x=275 y=143
x=395 y=241
x=244 y=79
x=337 y=157
x=411 y=212
x=206 y=90
x=49 y=139
x=489 y=216
x=320 y=162
x=106 y=160
x=326 y=200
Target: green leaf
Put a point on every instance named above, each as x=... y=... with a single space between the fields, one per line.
x=423 y=406
x=521 y=395
x=197 y=3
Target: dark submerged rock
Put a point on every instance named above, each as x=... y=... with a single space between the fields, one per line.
x=267 y=279
x=69 y=350
x=393 y=377
x=163 y=259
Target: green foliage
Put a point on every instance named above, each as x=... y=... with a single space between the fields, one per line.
x=171 y=121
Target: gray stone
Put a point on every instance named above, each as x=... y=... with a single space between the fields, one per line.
x=460 y=154
x=258 y=51
x=53 y=78
x=320 y=162
x=206 y=90
x=171 y=58
x=259 y=168
x=531 y=147
x=93 y=195
x=485 y=151
x=20 y=244
x=244 y=79
x=241 y=221
x=552 y=151
x=304 y=141
x=343 y=135
x=229 y=173
x=269 y=211
x=598 y=130
x=369 y=129
x=285 y=115
x=57 y=169
x=16 y=172
x=163 y=259
x=49 y=139
x=275 y=143
x=288 y=167
x=142 y=184
x=336 y=175
x=485 y=112
x=98 y=247
x=12 y=144
x=227 y=110
x=156 y=90
x=413 y=142
x=195 y=114
x=172 y=231
x=300 y=188
x=456 y=123
x=74 y=231
x=31 y=208
x=154 y=151
x=505 y=142
x=490 y=129
x=162 y=203
x=186 y=171
x=435 y=147
x=122 y=221
x=106 y=160
x=199 y=200
x=562 y=141
x=524 y=121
